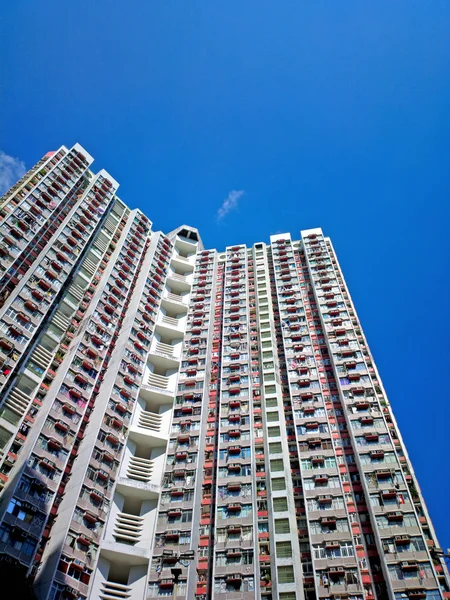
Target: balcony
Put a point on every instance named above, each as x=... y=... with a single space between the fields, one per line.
x=170 y=326
x=234 y=433
x=178 y=284
x=166 y=351
x=234 y=468
x=362 y=404
x=321 y=479
x=15 y=405
x=234 y=486
x=6 y=347
x=176 y=298
x=128 y=528
x=173 y=322
x=140 y=469
x=389 y=494
x=172 y=534
x=417 y=594
x=115 y=591
x=150 y=421
x=160 y=382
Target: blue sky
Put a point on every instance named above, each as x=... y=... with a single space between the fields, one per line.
x=324 y=113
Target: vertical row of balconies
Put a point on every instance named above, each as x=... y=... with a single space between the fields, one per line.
x=208 y=470
x=129 y=532
x=97 y=500
x=175 y=517
x=30 y=304
x=300 y=382
x=19 y=190
x=30 y=308
x=260 y=346
x=276 y=548
x=33 y=217
x=338 y=522
x=382 y=471
x=52 y=453
x=234 y=555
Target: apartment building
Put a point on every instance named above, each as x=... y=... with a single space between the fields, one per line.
x=189 y=423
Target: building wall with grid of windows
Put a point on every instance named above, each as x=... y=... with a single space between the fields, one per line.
x=190 y=423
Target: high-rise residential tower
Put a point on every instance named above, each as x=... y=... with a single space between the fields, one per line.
x=189 y=423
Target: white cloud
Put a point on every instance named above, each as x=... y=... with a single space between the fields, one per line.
x=230 y=203
x=11 y=170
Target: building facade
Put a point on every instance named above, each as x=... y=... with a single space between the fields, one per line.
x=189 y=423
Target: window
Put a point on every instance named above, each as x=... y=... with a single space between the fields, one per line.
x=273 y=431
x=280 y=504
x=15 y=507
x=282 y=526
x=311 y=484
x=248 y=584
x=284 y=549
x=186 y=517
x=307 y=568
x=279 y=483
x=57 y=591
x=431 y=595
x=328 y=462
x=397 y=573
x=408 y=520
x=272 y=416
x=286 y=574
x=275 y=448
x=345 y=549
x=276 y=465
x=185 y=537
x=416 y=544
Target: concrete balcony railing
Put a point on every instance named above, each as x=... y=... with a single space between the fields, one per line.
x=178 y=277
x=89 y=267
x=42 y=357
x=158 y=381
x=140 y=469
x=150 y=421
x=115 y=591
x=174 y=297
x=72 y=583
x=128 y=528
x=166 y=349
x=182 y=259
x=170 y=321
x=17 y=402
